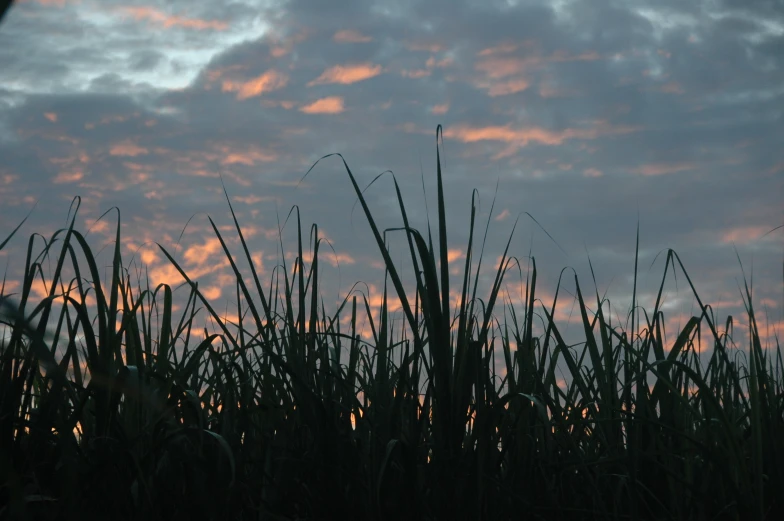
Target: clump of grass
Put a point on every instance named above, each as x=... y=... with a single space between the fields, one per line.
x=283 y=415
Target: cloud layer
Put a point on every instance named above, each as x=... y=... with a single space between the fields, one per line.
x=588 y=115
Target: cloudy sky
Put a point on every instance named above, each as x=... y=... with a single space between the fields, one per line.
x=588 y=115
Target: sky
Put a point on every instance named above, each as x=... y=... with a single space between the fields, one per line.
x=590 y=116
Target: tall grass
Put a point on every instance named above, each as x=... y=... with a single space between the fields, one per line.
x=111 y=407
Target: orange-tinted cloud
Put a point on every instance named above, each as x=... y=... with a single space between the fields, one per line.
x=166 y=273
x=376 y=298
x=504 y=88
x=347 y=74
x=282 y=46
x=744 y=234
x=148 y=255
x=204 y=252
x=328 y=105
x=503 y=48
x=508 y=151
x=216 y=74
x=8 y=179
x=453 y=254
x=101 y=227
x=51 y=116
x=432 y=62
x=138 y=173
x=503 y=215
x=158 y=17
x=523 y=136
x=775 y=169
x=116 y=118
x=269 y=81
x=212 y=292
x=351 y=36
x=70 y=169
x=671 y=87
x=249 y=199
x=440 y=109
x=592 y=172
x=127 y=148
x=495 y=68
x=40 y=288
x=237 y=178
x=69 y=176
x=496 y=75
x=288 y=105
x=662 y=168
x=249 y=156
x=511 y=68
x=337 y=259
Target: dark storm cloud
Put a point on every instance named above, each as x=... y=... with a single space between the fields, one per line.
x=589 y=114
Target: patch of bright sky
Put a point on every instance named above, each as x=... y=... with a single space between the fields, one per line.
x=190 y=60
x=390 y=9
x=561 y=10
x=749 y=96
x=185 y=51
x=663 y=20
x=9 y=100
x=767 y=28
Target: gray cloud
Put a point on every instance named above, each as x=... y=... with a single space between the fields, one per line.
x=146 y=59
x=589 y=114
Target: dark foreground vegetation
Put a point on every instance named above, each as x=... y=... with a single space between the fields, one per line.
x=112 y=407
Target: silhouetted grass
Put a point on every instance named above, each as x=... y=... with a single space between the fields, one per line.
x=286 y=416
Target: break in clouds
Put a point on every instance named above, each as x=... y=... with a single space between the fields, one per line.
x=588 y=116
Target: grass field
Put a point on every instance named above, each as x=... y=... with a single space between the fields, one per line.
x=111 y=407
